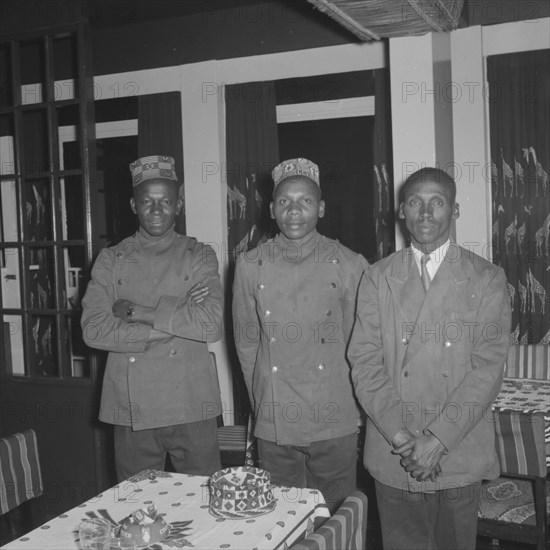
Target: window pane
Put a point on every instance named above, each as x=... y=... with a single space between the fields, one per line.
x=7 y=156
x=13 y=356
x=73 y=262
x=65 y=67
x=37 y=219
x=33 y=74
x=69 y=137
x=40 y=262
x=35 y=142
x=11 y=279
x=76 y=349
x=6 y=97
x=43 y=360
x=72 y=208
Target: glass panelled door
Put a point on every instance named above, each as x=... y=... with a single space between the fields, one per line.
x=45 y=228
x=47 y=192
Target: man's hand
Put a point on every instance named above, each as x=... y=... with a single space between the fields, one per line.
x=123 y=309
x=401 y=437
x=198 y=293
x=134 y=313
x=421 y=456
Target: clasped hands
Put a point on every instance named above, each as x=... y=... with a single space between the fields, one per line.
x=420 y=455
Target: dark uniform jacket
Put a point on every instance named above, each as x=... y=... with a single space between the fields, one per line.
x=162 y=375
x=293 y=310
x=431 y=363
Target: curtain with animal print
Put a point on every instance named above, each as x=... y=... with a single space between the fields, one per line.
x=519 y=110
x=252 y=146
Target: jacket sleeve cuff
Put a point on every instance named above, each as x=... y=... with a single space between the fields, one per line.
x=391 y=423
x=448 y=437
x=164 y=315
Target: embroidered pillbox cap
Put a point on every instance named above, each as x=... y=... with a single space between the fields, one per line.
x=153 y=167
x=295 y=167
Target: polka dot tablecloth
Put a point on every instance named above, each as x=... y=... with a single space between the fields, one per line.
x=183 y=502
x=524 y=395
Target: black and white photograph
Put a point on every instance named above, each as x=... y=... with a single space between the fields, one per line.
x=275 y=274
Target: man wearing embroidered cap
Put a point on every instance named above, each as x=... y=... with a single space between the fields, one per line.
x=154 y=301
x=293 y=308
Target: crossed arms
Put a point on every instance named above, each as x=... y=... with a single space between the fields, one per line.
x=124 y=326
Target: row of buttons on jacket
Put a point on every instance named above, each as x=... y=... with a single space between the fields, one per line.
x=132 y=359
x=447 y=344
x=275 y=368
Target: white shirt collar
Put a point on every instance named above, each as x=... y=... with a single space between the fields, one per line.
x=436 y=258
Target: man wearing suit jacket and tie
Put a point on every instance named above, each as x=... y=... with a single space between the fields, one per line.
x=427 y=353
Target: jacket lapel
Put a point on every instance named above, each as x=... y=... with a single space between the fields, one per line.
x=406 y=288
x=446 y=288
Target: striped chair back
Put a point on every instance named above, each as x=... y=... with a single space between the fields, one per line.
x=20 y=475
x=520 y=444
x=528 y=361
x=346 y=529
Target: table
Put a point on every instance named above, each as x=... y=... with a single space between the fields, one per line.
x=183 y=499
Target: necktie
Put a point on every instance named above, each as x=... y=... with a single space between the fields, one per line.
x=424 y=270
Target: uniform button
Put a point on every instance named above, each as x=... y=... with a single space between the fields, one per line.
x=322 y=340
x=132 y=359
x=321 y=366
x=274 y=368
x=260 y=286
x=447 y=344
x=260 y=262
x=173 y=352
x=119 y=254
x=267 y=313
x=336 y=261
x=329 y=313
x=445 y=374
x=120 y=281
x=272 y=339
x=406 y=374
x=333 y=285
x=186 y=278
x=404 y=341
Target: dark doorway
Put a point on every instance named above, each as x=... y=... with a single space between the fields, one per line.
x=115 y=220
x=114 y=155
x=342 y=147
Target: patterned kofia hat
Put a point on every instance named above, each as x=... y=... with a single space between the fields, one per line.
x=241 y=492
x=295 y=167
x=153 y=167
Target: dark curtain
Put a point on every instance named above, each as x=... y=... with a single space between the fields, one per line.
x=343 y=149
x=252 y=149
x=519 y=107
x=383 y=203
x=160 y=133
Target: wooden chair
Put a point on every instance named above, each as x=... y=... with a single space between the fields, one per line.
x=345 y=529
x=513 y=507
x=235 y=441
x=20 y=479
